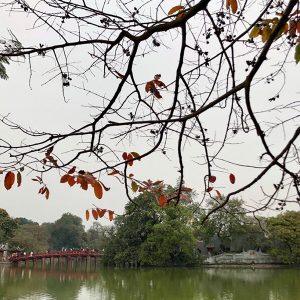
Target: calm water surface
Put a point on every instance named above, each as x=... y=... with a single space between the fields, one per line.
x=158 y=284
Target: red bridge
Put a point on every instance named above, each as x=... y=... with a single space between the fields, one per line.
x=67 y=256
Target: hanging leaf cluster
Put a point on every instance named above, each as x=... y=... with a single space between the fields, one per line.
x=129 y=158
x=84 y=179
x=99 y=213
x=212 y=179
x=153 y=85
x=44 y=189
x=49 y=157
x=266 y=26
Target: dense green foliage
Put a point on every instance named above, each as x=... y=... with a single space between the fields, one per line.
x=7 y=226
x=234 y=230
x=148 y=235
x=67 y=231
x=31 y=237
x=285 y=236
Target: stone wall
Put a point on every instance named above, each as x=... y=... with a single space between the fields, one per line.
x=245 y=257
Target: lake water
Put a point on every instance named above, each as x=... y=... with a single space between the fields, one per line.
x=145 y=284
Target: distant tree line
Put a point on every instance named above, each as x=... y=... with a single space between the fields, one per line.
x=67 y=232
x=148 y=235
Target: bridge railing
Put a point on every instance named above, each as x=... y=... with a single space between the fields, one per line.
x=50 y=254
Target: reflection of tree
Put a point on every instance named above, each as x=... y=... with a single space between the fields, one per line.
x=186 y=283
x=16 y=283
x=139 y=284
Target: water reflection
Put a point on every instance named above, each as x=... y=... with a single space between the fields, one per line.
x=139 y=284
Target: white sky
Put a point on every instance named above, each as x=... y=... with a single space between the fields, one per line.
x=43 y=108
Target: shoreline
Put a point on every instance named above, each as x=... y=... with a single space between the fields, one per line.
x=249 y=266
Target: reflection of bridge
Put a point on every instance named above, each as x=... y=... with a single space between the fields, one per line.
x=60 y=257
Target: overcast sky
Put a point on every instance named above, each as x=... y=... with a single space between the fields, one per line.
x=41 y=106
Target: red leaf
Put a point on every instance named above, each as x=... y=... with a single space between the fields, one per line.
x=113 y=172
x=64 y=178
x=130 y=157
x=101 y=212
x=160 y=84
x=87 y=215
x=95 y=214
x=150 y=87
x=232 y=178
x=157 y=94
x=84 y=184
x=110 y=215
x=209 y=189
x=162 y=201
x=124 y=155
x=98 y=190
x=71 y=181
x=72 y=170
x=47 y=193
x=130 y=175
x=212 y=179
x=9 y=180
x=49 y=150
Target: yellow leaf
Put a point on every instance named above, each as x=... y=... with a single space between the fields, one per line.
x=254 y=32
x=265 y=34
x=175 y=9
x=135 y=154
x=134 y=186
x=297 y=53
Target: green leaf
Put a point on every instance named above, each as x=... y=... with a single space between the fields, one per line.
x=297 y=53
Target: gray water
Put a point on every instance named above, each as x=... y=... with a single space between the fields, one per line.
x=158 y=284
